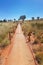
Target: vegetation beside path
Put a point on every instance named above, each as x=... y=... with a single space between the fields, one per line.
x=35 y=27
x=5 y=29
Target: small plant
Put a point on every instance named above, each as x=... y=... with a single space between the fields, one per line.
x=35 y=42
x=5 y=43
x=39 y=58
x=41 y=40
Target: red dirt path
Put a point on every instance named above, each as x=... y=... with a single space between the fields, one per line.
x=20 y=53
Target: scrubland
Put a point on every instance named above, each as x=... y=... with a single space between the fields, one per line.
x=5 y=28
x=35 y=26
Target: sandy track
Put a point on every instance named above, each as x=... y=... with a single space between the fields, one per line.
x=20 y=53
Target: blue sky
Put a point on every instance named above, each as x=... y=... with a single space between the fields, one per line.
x=11 y=9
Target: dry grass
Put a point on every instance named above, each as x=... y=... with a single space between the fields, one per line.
x=37 y=27
x=5 y=28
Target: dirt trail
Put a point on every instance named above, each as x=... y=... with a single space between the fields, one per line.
x=20 y=53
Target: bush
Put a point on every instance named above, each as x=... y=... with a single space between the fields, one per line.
x=37 y=25
x=39 y=58
x=41 y=40
x=4 y=30
x=5 y=43
x=35 y=42
x=2 y=38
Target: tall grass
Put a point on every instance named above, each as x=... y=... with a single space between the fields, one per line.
x=36 y=27
x=5 y=28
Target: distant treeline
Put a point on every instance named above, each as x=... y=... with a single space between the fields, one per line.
x=38 y=18
x=6 y=20
x=21 y=18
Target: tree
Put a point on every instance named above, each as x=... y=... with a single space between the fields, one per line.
x=14 y=20
x=32 y=18
x=1 y=21
x=23 y=17
x=38 y=18
x=4 y=20
x=10 y=20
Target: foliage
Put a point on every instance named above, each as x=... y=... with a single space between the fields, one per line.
x=4 y=30
x=22 y=17
x=39 y=58
x=37 y=27
x=38 y=18
x=32 y=18
x=4 y=20
x=5 y=43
